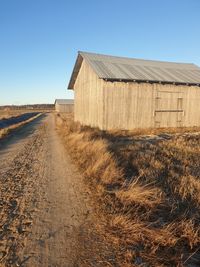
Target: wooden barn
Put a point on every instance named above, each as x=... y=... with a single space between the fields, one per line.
x=126 y=93
x=64 y=105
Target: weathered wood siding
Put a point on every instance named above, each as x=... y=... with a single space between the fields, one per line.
x=144 y=105
x=67 y=108
x=112 y=105
x=88 y=90
x=127 y=105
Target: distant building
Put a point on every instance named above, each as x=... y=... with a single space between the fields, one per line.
x=125 y=93
x=64 y=105
x=7 y=109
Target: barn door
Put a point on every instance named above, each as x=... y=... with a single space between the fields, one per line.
x=168 y=109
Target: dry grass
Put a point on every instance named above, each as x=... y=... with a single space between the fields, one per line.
x=148 y=192
x=138 y=194
x=154 y=131
x=5 y=114
x=4 y=132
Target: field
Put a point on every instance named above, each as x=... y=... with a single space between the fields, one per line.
x=147 y=187
x=7 y=113
x=15 y=117
x=122 y=199
x=12 y=120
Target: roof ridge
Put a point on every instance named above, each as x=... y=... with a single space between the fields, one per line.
x=131 y=58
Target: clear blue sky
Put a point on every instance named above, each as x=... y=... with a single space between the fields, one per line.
x=39 y=39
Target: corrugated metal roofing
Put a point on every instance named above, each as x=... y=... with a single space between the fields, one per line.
x=131 y=69
x=64 y=101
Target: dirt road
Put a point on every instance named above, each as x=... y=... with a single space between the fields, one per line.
x=43 y=201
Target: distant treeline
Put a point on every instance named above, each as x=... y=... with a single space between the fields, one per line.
x=35 y=106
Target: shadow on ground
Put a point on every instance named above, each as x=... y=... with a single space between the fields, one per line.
x=21 y=133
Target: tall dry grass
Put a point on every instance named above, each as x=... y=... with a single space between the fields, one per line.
x=148 y=192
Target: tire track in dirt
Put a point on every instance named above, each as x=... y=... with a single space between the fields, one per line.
x=17 y=200
x=63 y=209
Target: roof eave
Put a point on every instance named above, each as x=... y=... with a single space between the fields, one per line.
x=150 y=81
x=75 y=72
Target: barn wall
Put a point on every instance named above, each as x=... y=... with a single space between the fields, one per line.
x=112 y=105
x=68 y=108
x=192 y=106
x=57 y=107
x=88 y=90
x=144 y=105
x=128 y=105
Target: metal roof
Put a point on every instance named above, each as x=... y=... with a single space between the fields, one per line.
x=64 y=101
x=130 y=69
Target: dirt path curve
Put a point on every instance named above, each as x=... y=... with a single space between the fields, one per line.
x=43 y=203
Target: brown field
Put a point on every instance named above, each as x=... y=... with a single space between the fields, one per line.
x=4 y=132
x=4 y=114
x=147 y=186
